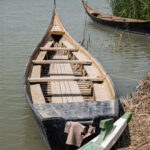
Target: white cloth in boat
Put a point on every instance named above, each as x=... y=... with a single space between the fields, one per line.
x=77 y=133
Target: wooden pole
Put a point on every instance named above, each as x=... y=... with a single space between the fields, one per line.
x=54 y=3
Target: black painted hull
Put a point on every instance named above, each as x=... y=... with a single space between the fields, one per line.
x=52 y=129
x=136 y=27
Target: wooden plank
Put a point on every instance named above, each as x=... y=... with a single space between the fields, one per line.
x=48 y=44
x=56 y=29
x=41 y=55
x=67 y=85
x=61 y=84
x=57 y=49
x=91 y=70
x=80 y=56
x=47 y=79
x=74 y=88
x=61 y=61
x=36 y=71
x=101 y=92
x=55 y=87
x=37 y=94
x=69 y=89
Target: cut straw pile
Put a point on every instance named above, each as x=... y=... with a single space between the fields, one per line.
x=137 y=135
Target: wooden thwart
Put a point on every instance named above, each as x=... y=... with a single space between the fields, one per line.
x=46 y=79
x=62 y=62
x=57 y=49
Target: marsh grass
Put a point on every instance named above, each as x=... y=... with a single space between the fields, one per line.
x=135 y=9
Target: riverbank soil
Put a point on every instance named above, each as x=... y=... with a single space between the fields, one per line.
x=137 y=135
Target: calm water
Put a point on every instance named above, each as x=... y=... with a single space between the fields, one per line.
x=22 y=24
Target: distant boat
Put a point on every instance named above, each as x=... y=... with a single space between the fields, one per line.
x=132 y=25
x=64 y=83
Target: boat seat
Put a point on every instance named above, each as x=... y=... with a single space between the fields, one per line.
x=41 y=62
x=63 y=78
x=57 y=49
x=36 y=71
x=37 y=94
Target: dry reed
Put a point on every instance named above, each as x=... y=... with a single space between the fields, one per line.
x=137 y=135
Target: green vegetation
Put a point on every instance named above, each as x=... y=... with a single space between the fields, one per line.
x=135 y=9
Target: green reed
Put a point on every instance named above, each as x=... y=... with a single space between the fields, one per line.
x=135 y=9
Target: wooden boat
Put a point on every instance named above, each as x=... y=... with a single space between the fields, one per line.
x=132 y=25
x=110 y=133
x=64 y=83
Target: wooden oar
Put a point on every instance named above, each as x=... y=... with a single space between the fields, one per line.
x=109 y=134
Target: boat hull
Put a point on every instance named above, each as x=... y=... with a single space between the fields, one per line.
x=52 y=129
x=52 y=117
x=136 y=27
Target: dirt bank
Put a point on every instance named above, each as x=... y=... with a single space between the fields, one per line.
x=137 y=135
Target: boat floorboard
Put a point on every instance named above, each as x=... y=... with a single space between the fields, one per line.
x=64 y=91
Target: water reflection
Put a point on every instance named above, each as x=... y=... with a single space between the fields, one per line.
x=125 y=56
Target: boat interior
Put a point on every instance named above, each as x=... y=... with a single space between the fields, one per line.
x=63 y=71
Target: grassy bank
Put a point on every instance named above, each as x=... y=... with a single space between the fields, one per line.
x=135 y=9
x=137 y=136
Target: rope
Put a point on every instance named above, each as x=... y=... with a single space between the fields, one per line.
x=54 y=3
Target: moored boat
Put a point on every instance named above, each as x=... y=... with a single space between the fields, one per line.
x=131 y=25
x=63 y=82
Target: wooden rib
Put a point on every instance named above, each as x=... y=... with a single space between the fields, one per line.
x=61 y=61
x=46 y=79
x=57 y=49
